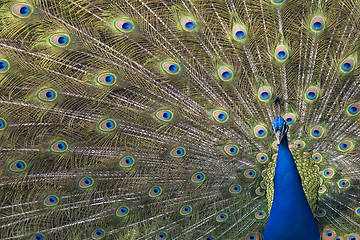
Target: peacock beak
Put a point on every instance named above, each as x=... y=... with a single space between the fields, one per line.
x=278 y=136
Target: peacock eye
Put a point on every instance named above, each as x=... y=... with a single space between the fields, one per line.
x=106 y=79
x=198 y=177
x=60 y=40
x=59 y=146
x=239 y=33
x=22 y=10
x=250 y=173
x=51 y=201
x=221 y=217
x=348 y=65
x=235 y=189
x=164 y=115
x=155 y=191
x=107 y=125
x=127 y=162
x=260 y=131
x=124 y=25
x=231 y=149
x=86 y=182
x=18 y=166
x=264 y=94
x=122 y=211
x=312 y=93
x=4 y=65
x=225 y=74
x=171 y=68
x=178 y=152
x=188 y=24
x=262 y=157
x=98 y=234
x=185 y=210
x=260 y=215
x=47 y=95
x=281 y=53
x=317 y=24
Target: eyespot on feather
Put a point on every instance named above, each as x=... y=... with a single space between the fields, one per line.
x=239 y=33
x=188 y=24
x=253 y=236
x=311 y=94
x=357 y=211
x=122 y=211
x=86 y=182
x=98 y=234
x=51 y=200
x=220 y=116
x=164 y=115
x=155 y=191
x=178 y=152
x=260 y=215
x=171 y=68
x=262 y=157
x=4 y=65
x=225 y=74
x=353 y=236
x=221 y=217
x=259 y=191
x=344 y=183
x=235 y=189
x=231 y=149
x=185 y=210
x=107 y=125
x=281 y=53
x=127 y=162
x=22 y=10
x=198 y=177
x=353 y=109
x=345 y=145
x=161 y=236
x=208 y=238
x=37 y=236
x=317 y=24
x=260 y=131
x=320 y=213
x=347 y=65
x=317 y=132
x=317 y=157
x=60 y=40
x=264 y=94
x=3 y=124
x=59 y=146
x=299 y=143
x=18 y=166
x=124 y=25
x=322 y=189
x=290 y=118
x=328 y=234
x=47 y=95
x=106 y=79
x=250 y=173
x=329 y=173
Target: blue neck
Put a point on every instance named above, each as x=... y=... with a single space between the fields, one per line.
x=290 y=215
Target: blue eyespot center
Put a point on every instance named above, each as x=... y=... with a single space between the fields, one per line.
x=240 y=34
x=317 y=25
x=261 y=132
x=222 y=216
x=61 y=146
x=343 y=145
x=186 y=209
x=199 y=176
x=352 y=238
x=123 y=210
x=99 y=232
x=128 y=161
x=316 y=158
x=251 y=173
x=265 y=95
x=320 y=211
x=50 y=94
x=236 y=188
x=320 y=189
x=353 y=109
x=289 y=120
x=156 y=190
x=87 y=181
x=252 y=237
x=346 y=66
x=260 y=213
x=342 y=183
x=327 y=173
x=173 y=68
x=38 y=237
x=1 y=123
x=281 y=54
x=162 y=235
x=109 y=79
x=316 y=132
x=311 y=95
x=62 y=40
x=109 y=124
x=233 y=149
x=179 y=151
x=221 y=116
x=329 y=234
x=226 y=75
x=52 y=199
x=3 y=65
x=24 y=10
x=209 y=238
x=190 y=25
x=166 y=115
x=126 y=26
x=263 y=158
x=261 y=191
x=19 y=165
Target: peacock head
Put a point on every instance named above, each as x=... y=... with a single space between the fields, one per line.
x=280 y=128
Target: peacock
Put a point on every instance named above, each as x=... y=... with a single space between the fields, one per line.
x=180 y=119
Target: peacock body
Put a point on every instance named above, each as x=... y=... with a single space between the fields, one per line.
x=153 y=119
